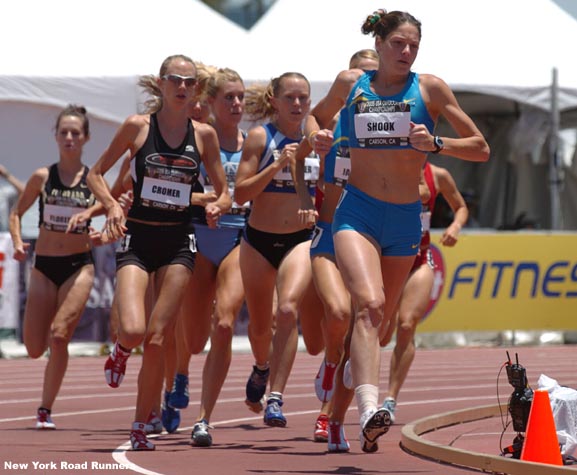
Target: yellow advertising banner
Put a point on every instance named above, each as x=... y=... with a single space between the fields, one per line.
x=499 y=281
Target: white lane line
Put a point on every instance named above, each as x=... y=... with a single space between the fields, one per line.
x=69 y=414
x=120 y=453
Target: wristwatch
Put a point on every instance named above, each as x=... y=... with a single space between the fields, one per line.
x=439 y=145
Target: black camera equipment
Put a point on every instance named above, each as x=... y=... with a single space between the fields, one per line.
x=519 y=404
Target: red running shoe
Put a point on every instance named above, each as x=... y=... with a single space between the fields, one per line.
x=115 y=366
x=337 y=439
x=322 y=428
x=138 y=439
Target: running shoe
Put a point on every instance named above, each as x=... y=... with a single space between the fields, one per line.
x=325 y=381
x=322 y=428
x=348 y=376
x=170 y=416
x=153 y=424
x=256 y=388
x=390 y=405
x=138 y=439
x=115 y=367
x=200 y=436
x=179 y=395
x=273 y=415
x=43 y=419
x=374 y=423
x=337 y=439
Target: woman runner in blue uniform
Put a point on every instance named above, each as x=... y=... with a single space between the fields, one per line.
x=391 y=114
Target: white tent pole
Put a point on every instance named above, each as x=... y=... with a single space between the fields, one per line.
x=554 y=175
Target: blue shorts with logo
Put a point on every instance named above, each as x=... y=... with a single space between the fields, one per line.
x=215 y=244
x=395 y=227
x=322 y=242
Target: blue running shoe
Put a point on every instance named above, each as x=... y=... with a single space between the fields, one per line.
x=273 y=415
x=256 y=386
x=179 y=395
x=390 y=405
x=170 y=416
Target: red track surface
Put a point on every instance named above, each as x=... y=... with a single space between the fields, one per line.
x=93 y=420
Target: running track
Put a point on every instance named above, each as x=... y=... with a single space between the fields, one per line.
x=93 y=420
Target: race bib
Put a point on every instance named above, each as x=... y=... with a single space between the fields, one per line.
x=342 y=170
x=56 y=217
x=380 y=124
x=155 y=190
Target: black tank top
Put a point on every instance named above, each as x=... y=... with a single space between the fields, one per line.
x=163 y=178
x=59 y=202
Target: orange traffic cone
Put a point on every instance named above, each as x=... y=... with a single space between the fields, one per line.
x=541 y=444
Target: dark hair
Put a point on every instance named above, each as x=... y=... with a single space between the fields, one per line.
x=74 y=111
x=148 y=83
x=380 y=23
x=257 y=98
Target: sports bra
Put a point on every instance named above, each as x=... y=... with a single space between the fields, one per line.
x=58 y=202
x=236 y=217
x=383 y=122
x=163 y=177
x=282 y=182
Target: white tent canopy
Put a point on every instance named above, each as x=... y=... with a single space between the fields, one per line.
x=497 y=55
x=500 y=48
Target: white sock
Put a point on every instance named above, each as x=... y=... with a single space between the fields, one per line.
x=367 y=396
x=275 y=395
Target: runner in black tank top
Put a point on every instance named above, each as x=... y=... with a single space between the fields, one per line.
x=166 y=150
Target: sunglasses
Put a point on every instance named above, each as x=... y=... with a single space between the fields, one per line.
x=177 y=79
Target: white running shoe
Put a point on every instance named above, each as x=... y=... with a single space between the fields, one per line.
x=347 y=376
x=325 y=381
x=43 y=419
x=374 y=423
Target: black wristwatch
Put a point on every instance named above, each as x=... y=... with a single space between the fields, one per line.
x=439 y=145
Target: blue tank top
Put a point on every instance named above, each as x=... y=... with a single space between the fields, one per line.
x=282 y=182
x=383 y=121
x=338 y=161
x=237 y=216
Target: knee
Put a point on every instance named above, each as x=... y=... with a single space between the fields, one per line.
x=153 y=343
x=36 y=344
x=371 y=312
x=337 y=320
x=35 y=350
x=59 y=343
x=222 y=334
x=314 y=348
x=407 y=327
x=132 y=334
x=287 y=314
x=131 y=339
